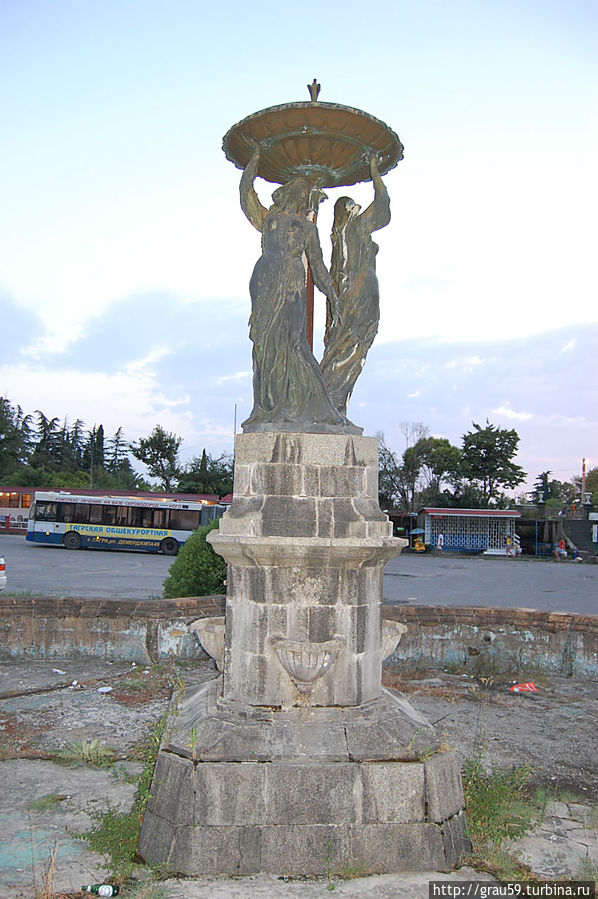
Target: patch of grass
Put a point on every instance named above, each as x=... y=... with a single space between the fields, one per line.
x=353 y=872
x=589 y=869
x=116 y=833
x=141 y=686
x=497 y=806
x=89 y=752
x=499 y=809
x=47 y=802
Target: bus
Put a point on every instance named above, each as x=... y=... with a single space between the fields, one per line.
x=75 y=521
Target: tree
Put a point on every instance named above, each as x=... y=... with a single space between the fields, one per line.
x=160 y=453
x=118 y=453
x=487 y=460
x=15 y=437
x=418 y=478
x=551 y=491
x=443 y=462
x=591 y=485
x=390 y=484
x=203 y=474
x=197 y=570
x=48 y=444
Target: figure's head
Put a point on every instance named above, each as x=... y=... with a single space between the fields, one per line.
x=292 y=196
x=344 y=209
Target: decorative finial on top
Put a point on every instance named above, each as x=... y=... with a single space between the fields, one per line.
x=314 y=90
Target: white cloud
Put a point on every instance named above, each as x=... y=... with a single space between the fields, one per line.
x=235 y=378
x=507 y=412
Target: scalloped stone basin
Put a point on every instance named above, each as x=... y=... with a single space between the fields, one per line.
x=210 y=632
x=306 y=662
x=392 y=631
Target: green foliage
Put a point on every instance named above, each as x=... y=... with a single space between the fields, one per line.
x=116 y=833
x=203 y=474
x=487 y=460
x=160 y=453
x=417 y=479
x=197 y=570
x=37 y=451
x=47 y=802
x=552 y=492
x=90 y=752
x=496 y=804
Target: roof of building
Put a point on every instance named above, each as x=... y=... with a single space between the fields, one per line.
x=473 y=513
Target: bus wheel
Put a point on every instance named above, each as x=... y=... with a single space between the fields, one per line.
x=72 y=540
x=169 y=546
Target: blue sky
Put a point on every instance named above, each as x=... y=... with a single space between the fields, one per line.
x=125 y=257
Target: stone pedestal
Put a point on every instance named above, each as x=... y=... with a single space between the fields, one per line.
x=296 y=760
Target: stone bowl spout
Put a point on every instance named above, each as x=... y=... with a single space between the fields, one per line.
x=306 y=662
x=210 y=633
x=392 y=631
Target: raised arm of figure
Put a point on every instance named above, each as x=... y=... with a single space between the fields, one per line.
x=250 y=202
x=377 y=215
x=320 y=274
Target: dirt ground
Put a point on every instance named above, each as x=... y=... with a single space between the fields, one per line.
x=555 y=730
x=46 y=707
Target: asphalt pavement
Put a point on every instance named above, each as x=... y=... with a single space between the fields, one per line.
x=409 y=578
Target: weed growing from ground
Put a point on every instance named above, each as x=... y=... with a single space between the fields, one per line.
x=47 y=802
x=89 y=752
x=115 y=833
x=498 y=809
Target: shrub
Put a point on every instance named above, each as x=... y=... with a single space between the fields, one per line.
x=197 y=570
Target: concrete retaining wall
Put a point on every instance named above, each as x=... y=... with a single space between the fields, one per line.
x=489 y=640
x=111 y=629
x=482 y=640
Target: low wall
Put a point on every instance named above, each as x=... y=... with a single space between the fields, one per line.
x=112 y=629
x=488 y=640
x=482 y=640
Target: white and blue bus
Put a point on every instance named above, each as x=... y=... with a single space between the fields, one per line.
x=108 y=522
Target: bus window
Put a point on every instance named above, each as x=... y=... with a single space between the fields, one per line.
x=184 y=519
x=46 y=511
x=140 y=517
x=210 y=513
x=95 y=514
x=121 y=515
x=66 y=512
x=108 y=514
x=161 y=518
x=81 y=513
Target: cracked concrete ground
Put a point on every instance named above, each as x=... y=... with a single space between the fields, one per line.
x=45 y=805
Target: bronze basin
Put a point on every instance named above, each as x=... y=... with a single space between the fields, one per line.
x=327 y=143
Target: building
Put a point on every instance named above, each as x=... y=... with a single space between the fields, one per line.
x=469 y=530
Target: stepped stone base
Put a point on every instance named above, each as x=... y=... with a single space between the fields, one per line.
x=303 y=791
x=297 y=761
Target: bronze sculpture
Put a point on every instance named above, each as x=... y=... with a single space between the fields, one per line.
x=304 y=147
x=353 y=269
x=288 y=388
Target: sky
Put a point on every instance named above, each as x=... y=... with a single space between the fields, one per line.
x=125 y=257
